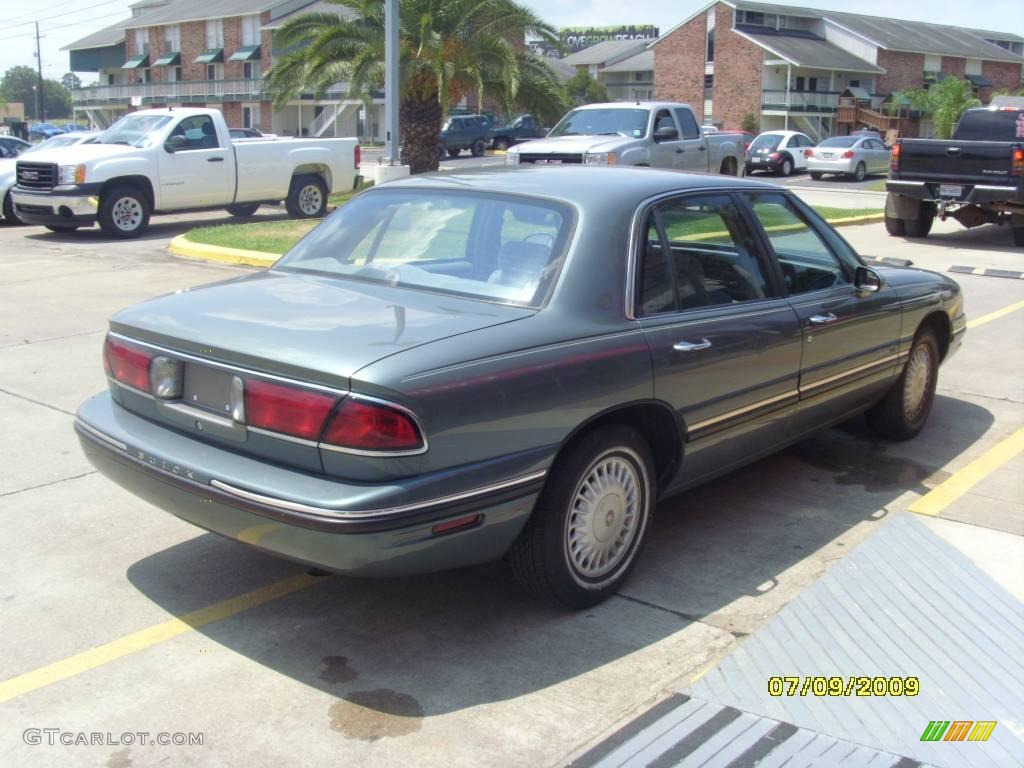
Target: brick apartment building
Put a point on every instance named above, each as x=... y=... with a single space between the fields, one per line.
x=208 y=53
x=820 y=72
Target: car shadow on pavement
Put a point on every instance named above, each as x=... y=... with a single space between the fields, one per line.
x=987 y=237
x=720 y=560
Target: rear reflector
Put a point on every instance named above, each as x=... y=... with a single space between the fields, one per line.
x=128 y=364
x=808 y=153
x=894 y=158
x=288 y=410
x=359 y=156
x=365 y=425
x=457 y=524
x=1017 y=161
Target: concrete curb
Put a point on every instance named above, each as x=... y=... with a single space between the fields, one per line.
x=182 y=246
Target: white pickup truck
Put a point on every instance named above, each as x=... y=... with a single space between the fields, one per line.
x=650 y=133
x=172 y=160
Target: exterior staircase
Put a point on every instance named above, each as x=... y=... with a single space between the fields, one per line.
x=324 y=122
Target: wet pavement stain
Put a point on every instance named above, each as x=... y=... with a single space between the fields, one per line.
x=375 y=715
x=119 y=759
x=865 y=463
x=337 y=670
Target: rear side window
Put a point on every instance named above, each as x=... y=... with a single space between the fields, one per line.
x=704 y=249
x=687 y=124
x=991 y=125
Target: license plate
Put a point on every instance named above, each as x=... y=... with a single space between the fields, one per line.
x=207 y=388
x=755 y=159
x=827 y=155
x=950 y=190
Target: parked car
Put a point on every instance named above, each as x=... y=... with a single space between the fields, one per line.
x=8 y=167
x=41 y=131
x=450 y=370
x=855 y=156
x=522 y=128
x=69 y=139
x=165 y=160
x=245 y=133
x=977 y=177
x=459 y=132
x=779 y=152
x=12 y=146
x=655 y=134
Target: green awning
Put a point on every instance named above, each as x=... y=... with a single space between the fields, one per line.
x=246 y=53
x=172 y=59
x=979 y=82
x=136 y=62
x=210 y=56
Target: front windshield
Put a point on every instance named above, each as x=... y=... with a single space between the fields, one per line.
x=134 y=130
x=494 y=247
x=603 y=122
x=840 y=141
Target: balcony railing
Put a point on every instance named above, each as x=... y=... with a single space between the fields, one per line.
x=185 y=91
x=800 y=101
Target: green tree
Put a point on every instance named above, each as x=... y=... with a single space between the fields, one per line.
x=943 y=102
x=17 y=85
x=71 y=81
x=584 y=89
x=750 y=123
x=448 y=49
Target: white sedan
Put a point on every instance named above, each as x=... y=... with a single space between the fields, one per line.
x=855 y=156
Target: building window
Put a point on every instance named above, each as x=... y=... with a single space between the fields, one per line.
x=172 y=39
x=141 y=41
x=251 y=116
x=251 y=30
x=932 y=63
x=709 y=83
x=711 y=46
x=800 y=84
x=214 y=34
x=854 y=84
x=214 y=71
x=174 y=75
x=250 y=70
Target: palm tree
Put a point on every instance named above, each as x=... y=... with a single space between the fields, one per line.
x=448 y=49
x=943 y=101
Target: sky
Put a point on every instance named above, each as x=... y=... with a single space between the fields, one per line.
x=64 y=21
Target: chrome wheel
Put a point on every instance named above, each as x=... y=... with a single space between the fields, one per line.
x=605 y=515
x=127 y=214
x=310 y=200
x=917 y=381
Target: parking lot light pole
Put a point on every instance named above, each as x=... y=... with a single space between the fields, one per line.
x=391 y=166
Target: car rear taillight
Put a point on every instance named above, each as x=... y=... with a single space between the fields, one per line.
x=1017 y=161
x=127 y=363
x=809 y=153
x=359 y=156
x=366 y=425
x=894 y=158
x=848 y=154
x=774 y=156
x=288 y=410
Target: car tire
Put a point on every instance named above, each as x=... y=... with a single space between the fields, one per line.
x=243 y=210
x=61 y=228
x=604 y=480
x=895 y=227
x=502 y=143
x=10 y=217
x=922 y=225
x=307 y=198
x=479 y=148
x=454 y=151
x=124 y=212
x=786 y=168
x=816 y=175
x=902 y=413
x=860 y=172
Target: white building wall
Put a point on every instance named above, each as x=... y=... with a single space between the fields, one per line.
x=852 y=43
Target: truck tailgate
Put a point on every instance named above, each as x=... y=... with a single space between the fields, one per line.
x=977 y=162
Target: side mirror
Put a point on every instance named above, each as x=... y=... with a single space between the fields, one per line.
x=175 y=143
x=666 y=134
x=867 y=280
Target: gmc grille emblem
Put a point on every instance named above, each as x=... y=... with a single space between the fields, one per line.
x=30 y=175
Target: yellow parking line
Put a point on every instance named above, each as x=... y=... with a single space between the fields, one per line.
x=995 y=315
x=146 y=638
x=940 y=497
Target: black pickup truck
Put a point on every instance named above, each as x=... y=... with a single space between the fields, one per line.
x=977 y=177
x=522 y=128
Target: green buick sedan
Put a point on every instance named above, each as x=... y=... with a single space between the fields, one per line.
x=458 y=368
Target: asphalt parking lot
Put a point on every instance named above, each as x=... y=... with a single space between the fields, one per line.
x=118 y=619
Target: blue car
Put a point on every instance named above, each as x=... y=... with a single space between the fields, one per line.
x=41 y=131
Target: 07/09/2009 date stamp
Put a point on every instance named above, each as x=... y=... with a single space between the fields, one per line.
x=843 y=686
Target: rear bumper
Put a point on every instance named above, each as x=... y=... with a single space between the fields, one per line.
x=970 y=193
x=342 y=532
x=842 y=165
x=55 y=208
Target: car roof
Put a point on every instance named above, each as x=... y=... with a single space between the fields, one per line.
x=577 y=185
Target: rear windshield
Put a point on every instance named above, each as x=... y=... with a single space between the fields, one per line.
x=493 y=247
x=766 y=141
x=991 y=125
x=841 y=141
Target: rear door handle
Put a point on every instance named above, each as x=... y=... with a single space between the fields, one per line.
x=680 y=151
x=822 y=319
x=215 y=159
x=689 y=346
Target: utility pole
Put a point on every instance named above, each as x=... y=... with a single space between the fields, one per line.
x=41 y=98
x=391 y=83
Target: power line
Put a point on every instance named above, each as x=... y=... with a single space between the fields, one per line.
x=16 y=23
x=63 y=26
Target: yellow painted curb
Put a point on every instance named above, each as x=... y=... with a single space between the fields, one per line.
x=182 y=246
x=871 y=218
